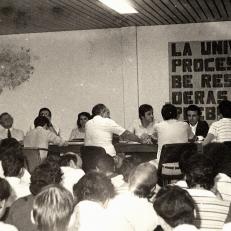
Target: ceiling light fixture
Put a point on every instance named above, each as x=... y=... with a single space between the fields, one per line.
x=120 y=6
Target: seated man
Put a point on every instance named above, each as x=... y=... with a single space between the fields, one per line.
x=7 y=130
x=144 y=127
x=211 y=211
x=52 y=209
x=220 y=131
x=5 y=191
x=199 y=128
x=176 y=207
x=71 y=172
x=100 y=129
x=20 y=211
x=41 y=136
x=12 y=164
x=171 y=130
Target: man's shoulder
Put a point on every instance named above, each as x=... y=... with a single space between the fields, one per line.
x=19 y=203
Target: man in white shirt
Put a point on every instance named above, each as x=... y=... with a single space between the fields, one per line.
x=7 y=131
x=100 y=129
x=41 y=136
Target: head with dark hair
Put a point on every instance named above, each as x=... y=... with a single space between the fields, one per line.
x=67 y=159
x=5 y=191
x=193 y=114
x=94 y=186
x=6 y=120
x=12 y=163
x=43 y=175
x=174 y=205
x=169 y=111
x=220 y=155
x=83 y=117
x=225 y=108
x=52 y=209
x=102 y=110
x=200 y=172
x=45 y=112
x=143 y=109
x=105 y=164
x=9 y=144
x=41 y=121
x=53 y=158
x=142 y=180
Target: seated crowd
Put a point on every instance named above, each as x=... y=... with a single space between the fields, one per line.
x=70 y=192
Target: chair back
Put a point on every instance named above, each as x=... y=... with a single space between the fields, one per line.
x=89 y=155
x=32 y=158
x=168 y=168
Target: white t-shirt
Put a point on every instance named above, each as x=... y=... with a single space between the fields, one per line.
x=99 y=132
x=172 y=131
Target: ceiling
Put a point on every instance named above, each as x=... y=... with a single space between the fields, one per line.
x=32 y=16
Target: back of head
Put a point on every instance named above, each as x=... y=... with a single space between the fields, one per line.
x=9 y=144
x=169 y=111
x=142 y=180
x=225 y=108
x=44 y=175
x=174 y=205
x=12 y=163
x=41 y=121
x=98 y=109
x=52 y=209
x=66 y=160
x=143 y=109
x=200 y=172
x=5 y=191
x=105 y=164
x=94 y=186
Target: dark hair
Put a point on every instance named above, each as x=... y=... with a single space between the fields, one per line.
x=66 y=159
x=9 y=144
x=41 y=121
x=174 y=205
x=5 y=189
x=200 y=171
x=12 y=163
x=43 y=175
x=98 y=109
x=143 y=109
x=225 y=108
x=169 y=111
x=94 y=186
x=82 y=114
x=143 y=179
x=3 y=114
x=105 y=163
x=220 y=154
x=44 y=109
x=53 y=158
x=193 y=108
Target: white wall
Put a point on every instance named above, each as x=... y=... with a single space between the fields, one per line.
x=119 y=67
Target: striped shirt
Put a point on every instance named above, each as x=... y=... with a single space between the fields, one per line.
x=221 y=130
x=223 y=185
x=211 y=212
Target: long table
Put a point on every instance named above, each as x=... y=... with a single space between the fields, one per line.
x=127 y=148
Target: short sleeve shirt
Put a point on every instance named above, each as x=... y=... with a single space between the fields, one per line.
x=221 y=130
x=99 y=132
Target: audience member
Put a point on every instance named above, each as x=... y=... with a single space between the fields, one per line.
x=52 y=209
x=79 y=132
x=71 y=172
x=20 y=211
x=176 y=207
x=135 y=205
x=7 y=130
x=144 y=126
x=41 y=136
x=220 y=131
x=12 y=164
x=100 y=129
x=5 y=191
x=171 y=130
x=199 y=127
x=211 y=211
